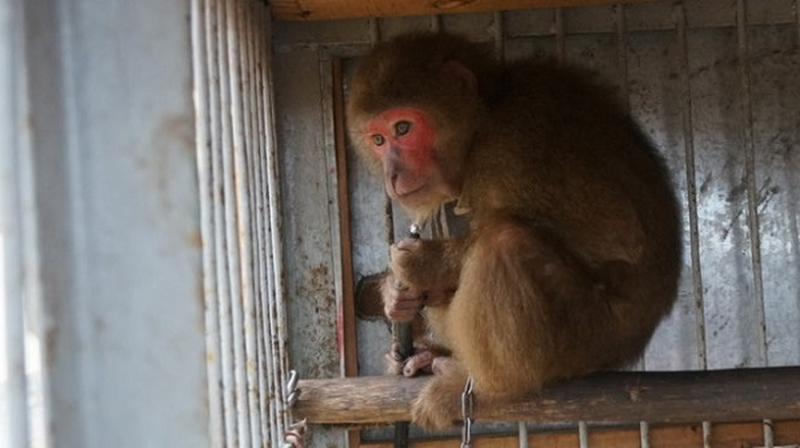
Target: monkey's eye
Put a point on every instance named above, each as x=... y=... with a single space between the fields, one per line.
x=378 y=139
x=402 y=128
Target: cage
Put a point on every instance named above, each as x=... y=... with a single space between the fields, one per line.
x=184 y=223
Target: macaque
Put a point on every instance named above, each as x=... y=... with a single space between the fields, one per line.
x=572 y=255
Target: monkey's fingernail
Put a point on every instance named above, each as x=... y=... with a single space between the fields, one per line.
x=399 y=286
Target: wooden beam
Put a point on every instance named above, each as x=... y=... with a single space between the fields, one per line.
x=670 y=397
x=348 y=9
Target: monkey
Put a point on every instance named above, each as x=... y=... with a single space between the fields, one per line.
x=573 y=250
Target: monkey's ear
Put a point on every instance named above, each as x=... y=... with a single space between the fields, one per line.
x=462 y=75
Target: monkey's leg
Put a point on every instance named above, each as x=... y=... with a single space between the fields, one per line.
x=517 y=320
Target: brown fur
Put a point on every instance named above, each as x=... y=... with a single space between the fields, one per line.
x=573 y=252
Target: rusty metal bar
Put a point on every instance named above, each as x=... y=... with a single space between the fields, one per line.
x=691 y=193
x=750 y=180
x=202 y=22
x=277 y=293
x=237 y=170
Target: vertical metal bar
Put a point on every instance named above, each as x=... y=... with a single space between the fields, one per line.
x=522 y=435
x=752 y=197
x=239 y=232
x=583 y=435
x=644 y=435
x=498 y=34
x=436 y=23
x=622 y=61
x=622 y=53
x=258 y=417
x=266 y=375
x=229 y=326
x=276 y=367
x=268 y=367
x=561 y=46
x=14 y=173
x=200 y=16
x=691 y=184
x=796 y=8
x=374 y=31
x=277 y=301
x=750 y=180
x=691 y=193
x=248 y=224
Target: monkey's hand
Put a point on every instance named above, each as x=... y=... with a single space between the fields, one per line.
x=420 y=362
x=425 y=265
x=400 y=303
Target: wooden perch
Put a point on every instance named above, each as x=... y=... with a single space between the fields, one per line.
x=677 y=397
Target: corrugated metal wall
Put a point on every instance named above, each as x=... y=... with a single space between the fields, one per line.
x=713 y=82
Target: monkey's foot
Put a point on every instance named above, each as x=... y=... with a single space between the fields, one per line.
x=438 y=405
x=421 y=360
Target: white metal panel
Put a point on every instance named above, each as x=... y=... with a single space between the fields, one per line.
x=118 y=222
x=15 y=237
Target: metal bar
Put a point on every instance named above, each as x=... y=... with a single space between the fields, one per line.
x=226 y=246
x=239 y=236
x=270 y=363
x=436 y=23
x=267 y=374
x=276 y=372
x=691 y=193
x=374 y=31
x=644 y=435
x=201 y=17
x=252 y=317
x=523 y=437
x=622 y=53
x=347 y=311
x=583 y=435
x=258 y=397
x=277 y=316
x=752 y=196
x=691 y=184
x=750 y=180
x=796 y=8
x=498 y=34
x=561 y=46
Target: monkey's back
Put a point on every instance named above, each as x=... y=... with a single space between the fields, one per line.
x=577 y=163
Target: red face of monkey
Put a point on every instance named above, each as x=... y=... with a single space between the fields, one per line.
x=404 y=140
